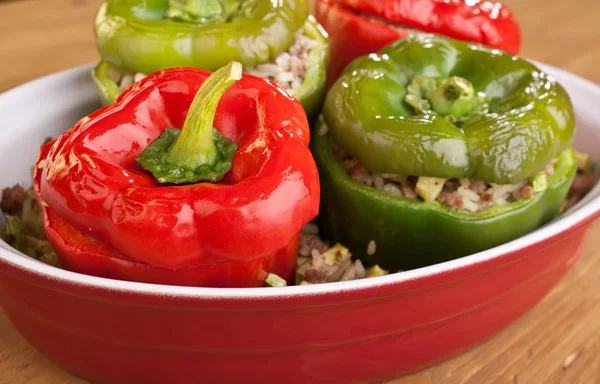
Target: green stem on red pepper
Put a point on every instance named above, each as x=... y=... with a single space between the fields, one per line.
x=197 y=152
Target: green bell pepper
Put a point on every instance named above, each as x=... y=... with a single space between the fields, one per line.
x=144 y=36
x=519 y=117
x=435 y=107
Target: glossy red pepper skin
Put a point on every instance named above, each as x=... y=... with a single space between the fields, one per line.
x=88 y=182
x=84 y=255
x=355 y=30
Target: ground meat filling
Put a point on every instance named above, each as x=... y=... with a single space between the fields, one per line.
x=288 y=69
x=319 y=262
x=584 y=181
x=458 y=194
x=13 y=199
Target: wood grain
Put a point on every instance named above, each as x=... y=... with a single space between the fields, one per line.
x=557 y=342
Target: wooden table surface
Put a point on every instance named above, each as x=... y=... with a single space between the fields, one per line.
x=557 y=342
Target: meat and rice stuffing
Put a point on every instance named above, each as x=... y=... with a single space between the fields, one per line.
x=21 y=225
x=319 y=262
x=288 y=69
x=584 y=181
x=459 y=194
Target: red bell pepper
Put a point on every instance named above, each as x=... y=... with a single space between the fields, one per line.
x=107 y=216
x=360 y=27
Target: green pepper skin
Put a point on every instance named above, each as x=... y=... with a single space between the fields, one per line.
x=135 y=36
x=107 y=88
x=529 y=122
x=410 y=233
x=311 y=94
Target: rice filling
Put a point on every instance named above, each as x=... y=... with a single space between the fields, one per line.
x=289 y=68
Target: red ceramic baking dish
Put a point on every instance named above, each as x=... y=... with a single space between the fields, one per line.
x=358 y=331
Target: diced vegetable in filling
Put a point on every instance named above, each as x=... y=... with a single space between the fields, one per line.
x=275 y=281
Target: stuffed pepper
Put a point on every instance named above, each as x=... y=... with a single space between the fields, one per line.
x=434 y=148
x=360 y=27
x=275 y=40
x=187 y=179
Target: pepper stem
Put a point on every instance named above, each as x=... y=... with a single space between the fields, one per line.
x=454 y=97
x=197 y=151
x=195 y=145
x=194 y=10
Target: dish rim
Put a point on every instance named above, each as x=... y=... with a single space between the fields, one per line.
x=584 y=210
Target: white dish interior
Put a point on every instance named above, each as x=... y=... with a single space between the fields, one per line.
x=50 y=105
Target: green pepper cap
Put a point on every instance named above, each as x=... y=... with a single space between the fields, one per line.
x=149 y=35
x=197 y=152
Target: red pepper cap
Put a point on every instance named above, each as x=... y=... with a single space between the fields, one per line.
x=360 y=27
x=483 y=22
